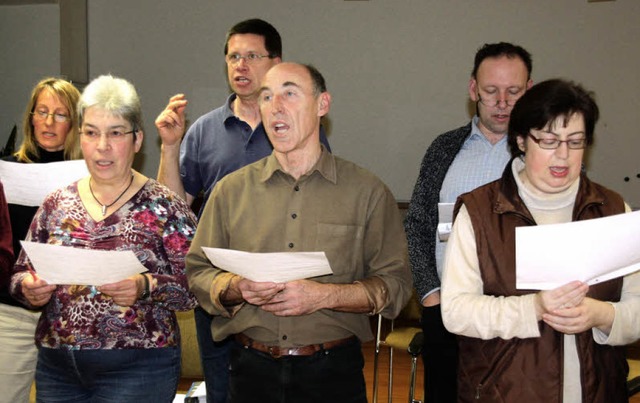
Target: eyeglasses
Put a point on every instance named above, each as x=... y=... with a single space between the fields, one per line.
x=494 y=100
x=553 y=143
x=249 y=58
x=115 y=136
x=43 y=115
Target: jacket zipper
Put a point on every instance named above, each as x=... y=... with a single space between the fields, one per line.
x=498 y=367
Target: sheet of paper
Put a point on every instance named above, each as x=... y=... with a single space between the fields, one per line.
x=593 y=251
x=68 y=265
x=278 y=267
x=28 y=184
x=445 y=219
x=179 y=398
x=201 y=390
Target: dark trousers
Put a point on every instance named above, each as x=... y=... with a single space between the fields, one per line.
x=333 y=375
x=214 y=357
x=440 y=357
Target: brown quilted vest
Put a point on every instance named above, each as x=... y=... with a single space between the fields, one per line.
x=530 y=370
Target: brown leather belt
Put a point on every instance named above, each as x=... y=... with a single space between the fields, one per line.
x=277 y=352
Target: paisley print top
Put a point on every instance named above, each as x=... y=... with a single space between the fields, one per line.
x=158 y=227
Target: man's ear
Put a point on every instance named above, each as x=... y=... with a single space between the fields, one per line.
x=473 y=89
x=324 y=103
x=529 y=83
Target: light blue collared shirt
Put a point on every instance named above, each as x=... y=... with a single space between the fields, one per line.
x=478 y=162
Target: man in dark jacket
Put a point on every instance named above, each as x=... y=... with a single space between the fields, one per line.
x=457 y=162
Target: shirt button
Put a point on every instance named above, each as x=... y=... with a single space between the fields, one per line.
x=294 y=216
x=296 y=188
x=284 y=337
x=291 y=245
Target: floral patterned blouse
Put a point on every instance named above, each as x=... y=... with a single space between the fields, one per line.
x=158 y=227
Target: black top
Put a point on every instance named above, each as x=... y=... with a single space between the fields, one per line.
x=21 y=216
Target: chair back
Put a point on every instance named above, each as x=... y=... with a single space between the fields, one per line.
x=412 y=312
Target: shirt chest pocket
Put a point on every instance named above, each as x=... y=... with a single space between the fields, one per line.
x=343 y=247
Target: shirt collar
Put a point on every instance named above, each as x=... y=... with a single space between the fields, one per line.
x=228 y=110
x=476 y=133
x=475 y=130
x=325 y=166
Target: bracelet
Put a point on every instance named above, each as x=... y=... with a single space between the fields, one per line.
x=146 y=292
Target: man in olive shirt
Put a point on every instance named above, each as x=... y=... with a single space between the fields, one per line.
x=300 y=340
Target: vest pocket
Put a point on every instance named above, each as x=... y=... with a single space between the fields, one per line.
x=502 y=358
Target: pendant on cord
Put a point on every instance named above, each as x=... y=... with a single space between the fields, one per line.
x=106 y=206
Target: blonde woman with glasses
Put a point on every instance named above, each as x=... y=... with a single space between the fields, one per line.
x=50 y=134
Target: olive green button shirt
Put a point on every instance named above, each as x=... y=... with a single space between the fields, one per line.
x=338 y=208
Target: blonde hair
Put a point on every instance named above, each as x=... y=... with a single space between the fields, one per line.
x=69 y=96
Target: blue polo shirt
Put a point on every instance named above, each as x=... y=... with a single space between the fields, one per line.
x=219 y=143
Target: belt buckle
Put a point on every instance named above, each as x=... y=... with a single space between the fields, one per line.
x=275 y=352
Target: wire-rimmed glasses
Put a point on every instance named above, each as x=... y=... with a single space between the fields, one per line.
x=57 y=117
x=249 y=58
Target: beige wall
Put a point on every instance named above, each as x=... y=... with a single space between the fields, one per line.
x=397 y=69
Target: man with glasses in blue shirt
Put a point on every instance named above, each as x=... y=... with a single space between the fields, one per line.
x=217 y=144
x=455 y=163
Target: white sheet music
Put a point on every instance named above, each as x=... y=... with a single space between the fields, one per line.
x=68 y=265
x=278 y=267
x=593 y=251
x=29 y=184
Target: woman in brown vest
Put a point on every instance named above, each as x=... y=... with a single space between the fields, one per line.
x=560 y=345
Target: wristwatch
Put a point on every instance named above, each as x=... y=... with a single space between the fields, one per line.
x=146 y=292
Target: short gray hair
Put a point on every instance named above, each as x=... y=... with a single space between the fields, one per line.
x=115 y=95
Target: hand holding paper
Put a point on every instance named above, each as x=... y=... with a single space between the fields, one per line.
x=124 y=292
x=581 y=316
x=37 y=291
x=566 y=296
